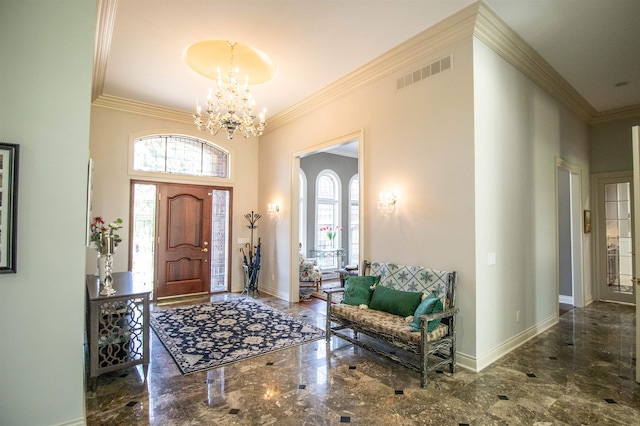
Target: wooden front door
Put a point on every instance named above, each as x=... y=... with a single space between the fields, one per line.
x=184 y=234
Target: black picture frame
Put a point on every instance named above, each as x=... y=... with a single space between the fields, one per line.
x=9 y=160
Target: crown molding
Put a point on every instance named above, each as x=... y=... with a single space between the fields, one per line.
x=493 y=32
x=142 y=108
x=631 y=111
x=476 y=20
x=105 y=19
x=415 y=50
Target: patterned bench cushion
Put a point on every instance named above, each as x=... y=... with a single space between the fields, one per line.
x=386 y=323
x=412 y=278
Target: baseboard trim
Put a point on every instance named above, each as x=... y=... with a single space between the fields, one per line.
x=478 y=364
x=271 y=291
x=466 y=361
x=566 y=299
x=75 y=422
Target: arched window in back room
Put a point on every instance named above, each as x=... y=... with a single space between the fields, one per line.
x=183 y=155
x=354 y=220
x=302 y=223
x=328 y=217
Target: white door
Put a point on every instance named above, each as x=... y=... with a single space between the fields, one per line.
x=614 y=242
x=636 y=239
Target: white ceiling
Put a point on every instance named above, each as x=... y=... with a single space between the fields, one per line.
x=593 y=44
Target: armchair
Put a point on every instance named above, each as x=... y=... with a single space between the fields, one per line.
x=309 y=273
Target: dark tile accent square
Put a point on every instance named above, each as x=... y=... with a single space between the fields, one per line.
x=531 y=375
x=553 y=358
x=352 y=367
x=302 y=386
x=234 y=411
x=131 y=403
x=503 y=397
x=399 y=392
x=270 y=363
x=345 y=419
x=610 y=401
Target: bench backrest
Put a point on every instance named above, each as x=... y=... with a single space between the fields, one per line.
x=415 y=278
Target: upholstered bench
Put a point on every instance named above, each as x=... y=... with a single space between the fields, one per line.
x=413 y=309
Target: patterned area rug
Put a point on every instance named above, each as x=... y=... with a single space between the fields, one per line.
x=209 y=335
x=335 y=298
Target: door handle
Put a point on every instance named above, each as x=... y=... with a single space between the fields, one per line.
x=205 y=250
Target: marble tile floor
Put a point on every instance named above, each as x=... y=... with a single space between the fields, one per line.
x=579 y=372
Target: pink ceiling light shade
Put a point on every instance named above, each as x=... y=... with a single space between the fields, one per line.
x=230 y=105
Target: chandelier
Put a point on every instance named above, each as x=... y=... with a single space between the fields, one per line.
x=230 y=107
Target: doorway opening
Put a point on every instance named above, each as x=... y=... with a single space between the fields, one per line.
x=314 y=211
x=180 y=238
x=569 y=234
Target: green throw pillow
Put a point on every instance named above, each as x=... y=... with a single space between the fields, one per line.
x=403 y=303
x=430 y=305
x=357 y=289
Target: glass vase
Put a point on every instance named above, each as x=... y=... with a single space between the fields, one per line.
x=107 y=245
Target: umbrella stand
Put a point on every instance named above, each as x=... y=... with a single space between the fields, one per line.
x=251 y=259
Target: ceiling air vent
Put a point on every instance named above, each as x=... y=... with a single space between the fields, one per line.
x=426 y=71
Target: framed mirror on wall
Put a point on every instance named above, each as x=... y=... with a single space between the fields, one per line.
x=9 y=154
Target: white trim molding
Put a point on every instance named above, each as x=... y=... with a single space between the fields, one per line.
x=565 y=299
x=516 y=341
x=631 y=111
x=142 y=108
x=105 y=19
x=493 y=32
x=476 y=20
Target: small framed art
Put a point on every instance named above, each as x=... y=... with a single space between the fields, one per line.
x=587 y=221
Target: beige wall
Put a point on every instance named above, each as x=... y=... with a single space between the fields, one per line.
x=417 y=141
x=519 y=132
x=45 y=87
x=111 y=132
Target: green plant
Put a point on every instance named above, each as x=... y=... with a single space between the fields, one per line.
x=99 y=229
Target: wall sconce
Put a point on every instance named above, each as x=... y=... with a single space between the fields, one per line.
x=273 y=209
x=387 y=202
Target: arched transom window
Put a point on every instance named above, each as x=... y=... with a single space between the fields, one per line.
x=182 y=155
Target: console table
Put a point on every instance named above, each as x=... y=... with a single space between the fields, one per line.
x=117 y=325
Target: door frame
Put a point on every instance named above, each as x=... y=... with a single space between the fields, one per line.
x=158 y=182
x=635 y=132
x=579 y=293
x=294 y=273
